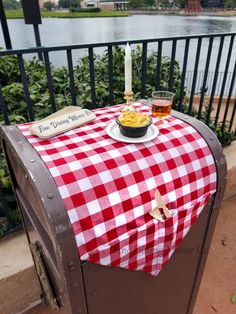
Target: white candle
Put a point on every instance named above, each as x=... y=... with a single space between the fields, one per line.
x=128 y=69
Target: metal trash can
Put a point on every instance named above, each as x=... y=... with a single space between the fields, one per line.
x=72 y=285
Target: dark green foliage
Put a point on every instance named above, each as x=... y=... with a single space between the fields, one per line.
x=64 y=4
x=48 y=5
x=181 y=3
x=9 y=70
x=165 y=4
x=150 y=3
x=134 y=4
x=225 y=137
x=229 y=4
x=36 y=74
x=9 y=214
x=85 y=10
x=11 y=4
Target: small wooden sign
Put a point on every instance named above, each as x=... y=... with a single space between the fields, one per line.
x=62 y=121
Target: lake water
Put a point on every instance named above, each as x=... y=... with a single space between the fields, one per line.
x=56 y=32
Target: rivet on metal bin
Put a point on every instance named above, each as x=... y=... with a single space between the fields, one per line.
x=50 y=196
x=75 y=284
x=71 y=266
x=93 y=292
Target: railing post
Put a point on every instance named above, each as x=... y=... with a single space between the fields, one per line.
x=38 y=40
x=5 y=30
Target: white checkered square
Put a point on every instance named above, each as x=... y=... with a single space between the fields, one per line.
x=120 y=220
x=95 y=159
x=72 y=215
x=114 y=198
x=105 y=176
x=93 y=207
x=64 y=191
x=99 y=229
x=133 y=190
x=84 y=184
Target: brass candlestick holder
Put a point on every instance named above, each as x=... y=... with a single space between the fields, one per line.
x=128 y=96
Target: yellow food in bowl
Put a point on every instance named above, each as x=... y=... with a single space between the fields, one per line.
x=132 y=118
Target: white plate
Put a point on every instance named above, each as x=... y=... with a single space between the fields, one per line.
x=113 y=131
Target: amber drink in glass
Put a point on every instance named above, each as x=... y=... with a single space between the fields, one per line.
x=161 y=103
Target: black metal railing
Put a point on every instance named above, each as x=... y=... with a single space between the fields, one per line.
x=209 y=82
x=200 y=53
x=203 y=45
x=210 y=58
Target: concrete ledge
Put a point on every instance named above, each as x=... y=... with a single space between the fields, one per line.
x=19 y=285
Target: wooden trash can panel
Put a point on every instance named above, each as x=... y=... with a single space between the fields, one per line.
x=116 y=291
x=76 y=286
x=46 y=223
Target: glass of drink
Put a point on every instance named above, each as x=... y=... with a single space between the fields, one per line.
x=162 y=103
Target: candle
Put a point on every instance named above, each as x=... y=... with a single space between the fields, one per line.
x=128 y=69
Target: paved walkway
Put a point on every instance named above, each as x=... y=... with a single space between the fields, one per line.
x=219 y=278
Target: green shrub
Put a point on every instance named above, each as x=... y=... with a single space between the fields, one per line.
x=13 y=93
x=95 y=10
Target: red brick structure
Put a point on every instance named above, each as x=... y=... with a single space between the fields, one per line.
x=193 y=7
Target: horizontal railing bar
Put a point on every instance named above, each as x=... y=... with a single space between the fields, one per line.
x=106 y=44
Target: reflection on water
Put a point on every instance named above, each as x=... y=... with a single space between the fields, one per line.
x=56 y=32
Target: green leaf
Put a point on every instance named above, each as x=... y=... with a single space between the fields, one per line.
x=5 y=182
x=2 y=173
x=233 y=298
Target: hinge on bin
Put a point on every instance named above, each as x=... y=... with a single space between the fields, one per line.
x=43 y=277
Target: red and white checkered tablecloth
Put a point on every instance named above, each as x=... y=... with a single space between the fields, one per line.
x=108 y=188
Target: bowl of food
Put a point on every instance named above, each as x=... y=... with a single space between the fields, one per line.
x=133 y=124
